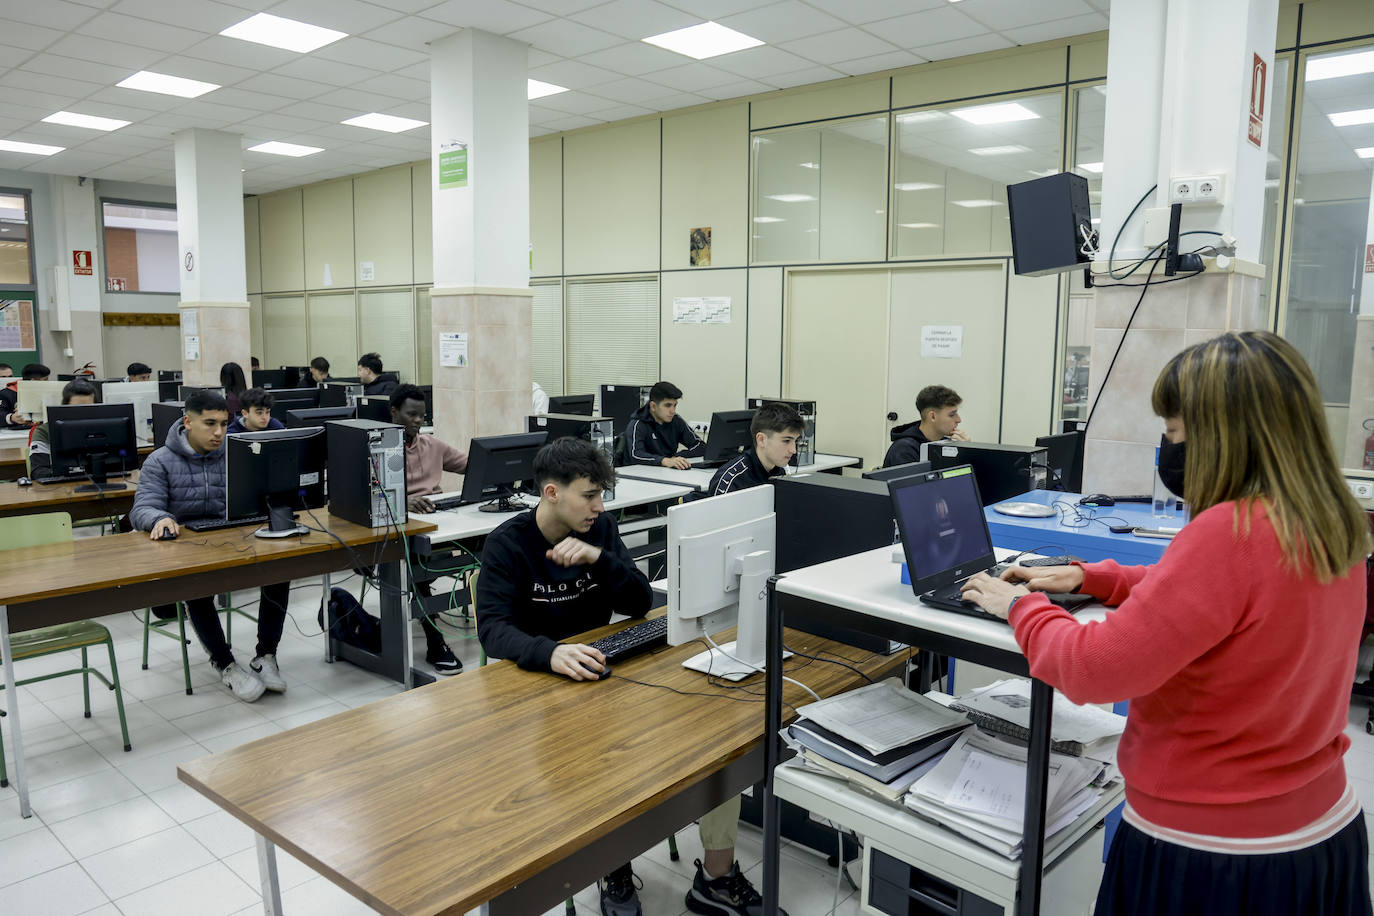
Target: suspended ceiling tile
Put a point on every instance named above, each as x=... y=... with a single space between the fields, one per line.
x=276 y=84
x=760 y=62
x=248 y=54
x=784 y=21
x=633 y=58
x=565 y=38
x=861 y=12
x=205 y=16
x=801 y=77
x=374 y=55
x=107 y=51
x=25 y=35
x=636 y=19
x=398 y=87
x=145 y=33
x=693 y=77
x=325 y=71
x=500 y=17
x=1009 y=14
x=1059 y=28
x=55 y=65
x=573 y=74
x=975 y=45
x=52 y=14
x=929 y=27
x=351 y=16
x=846 y=44
x=891 y=61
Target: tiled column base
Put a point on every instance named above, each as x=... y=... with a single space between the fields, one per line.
x=1124 y=431
x=490 y=396
x=225 y=337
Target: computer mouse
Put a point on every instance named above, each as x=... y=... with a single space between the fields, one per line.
x=168 y=535
x=601 y=675
x=24 y=482
x=1097 y=499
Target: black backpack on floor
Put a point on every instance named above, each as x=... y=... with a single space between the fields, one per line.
x=350 y=623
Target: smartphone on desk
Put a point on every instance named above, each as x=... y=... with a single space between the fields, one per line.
x=1167 y=534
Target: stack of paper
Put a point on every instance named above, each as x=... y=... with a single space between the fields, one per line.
x=1004 y=708
x=978 y=789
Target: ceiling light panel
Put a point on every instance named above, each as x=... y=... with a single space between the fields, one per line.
x=1365 y=152
x=917 y=186
x=277 y=148
x=977 y=203
x=389 y=123
x=538 y=89
x=72 y=119
x=790 y=198
x=1006 y=150
x=709 y=39
x=1094 y=167
x=1351 y=118
x=163 y=84
x=33 y=149
x=278 y=32
x=1001 y=113
x=1341 y=65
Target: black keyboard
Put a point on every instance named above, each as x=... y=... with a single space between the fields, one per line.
x=634 y=640
x=78 y=478
x=216 y=524
x=451 y=502
x=1041 y=561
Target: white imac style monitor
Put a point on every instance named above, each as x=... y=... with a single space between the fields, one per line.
x=35 y=397
x=140 y=394
x=720 y=555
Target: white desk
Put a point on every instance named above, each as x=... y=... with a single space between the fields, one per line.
x=699 y=478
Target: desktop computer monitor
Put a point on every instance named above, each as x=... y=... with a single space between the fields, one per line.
x=271 y=379
x=169 y=375
x=165 y=414
x=619 y=402
x=185 y=391
x=273 y=472
x=1003 y=471
x=573 y=403
x=305 y=417
x=33 y=397
x=429 y=404
x=295 y=375
x=898 y=471
x=495 y=465
x=721 y=552
x=1063 y=453
x=168 y=389
x=95 y=438
x=294 y=399
x=141 y=395
x=337 y=393
x=375 y=407
x=729 y=435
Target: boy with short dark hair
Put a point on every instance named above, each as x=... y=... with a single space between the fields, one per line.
x=375 y=380
x=138 y=372
x=655 y=431
x=939 y=410
x=318 y=374
x=77 y=391
x=10 y=418
x=255 y=412
x=775 y=428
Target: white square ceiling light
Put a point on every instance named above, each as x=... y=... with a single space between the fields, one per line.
x=288 y=34
x=33 y=149
x=537 y=89
x=148 y=81
x=790 y=198
x=708 y=39
x=1351 y=118
x=1341 y=65
x=389 y=123
x=1004 y=150
x=974 y=204
x=277 y=148
x=919 y=225
x=917 y=186
x=1000 y=113
x=1094 y=167
x=1365 y=152
x=72 y=119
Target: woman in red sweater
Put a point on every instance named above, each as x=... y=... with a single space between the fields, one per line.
x=1237 y=651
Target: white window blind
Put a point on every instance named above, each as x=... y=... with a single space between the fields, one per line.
x=424 y=336
x=546 y=353
x=612 y=332
x=334 y=331
x=388 y=327
x=283 y=331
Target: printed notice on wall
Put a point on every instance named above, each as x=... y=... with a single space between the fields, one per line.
x=16 y=325
x=367 y=271
x=942 y=341
x=190 y=322
x=453 y=350
x=686 y=310
x=192 y=346
x=453 y=164
x=701 y=310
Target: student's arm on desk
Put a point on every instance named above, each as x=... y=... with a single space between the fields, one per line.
x=1176 y=611
x=152 y=497
x=688 y=437
x=501 y=579
x=454 y=460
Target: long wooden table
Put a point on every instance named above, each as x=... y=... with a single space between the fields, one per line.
x=60 y=583
x=62 y=497
x=538 y=785
x=13 y=463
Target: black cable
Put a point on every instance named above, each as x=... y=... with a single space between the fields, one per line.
x=1145 y=287
x=817 y=658
x=1111 y=255
x=697 y=693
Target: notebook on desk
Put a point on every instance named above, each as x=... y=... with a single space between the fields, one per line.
x=945 y=538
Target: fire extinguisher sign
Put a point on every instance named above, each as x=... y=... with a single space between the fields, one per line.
x=1369 y=259
x=1258 y=69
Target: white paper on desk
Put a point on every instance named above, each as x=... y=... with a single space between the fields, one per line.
x=881 y=716
x=1010 y=699
x=989 y=785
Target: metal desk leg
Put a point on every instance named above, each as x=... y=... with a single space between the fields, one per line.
x=407 y=620
x=267 y=871
x=1037 y=782
x=328 y=623
x=21 y=781
x=772 y=751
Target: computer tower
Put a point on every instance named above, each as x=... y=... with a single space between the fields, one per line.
x=806 y=445
x=1049 y=218
x=823 y=517
x=367 y=472
x=596 y=430
x=1002 y=471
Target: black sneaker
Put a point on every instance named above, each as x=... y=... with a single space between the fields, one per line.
x=443 y=661
x=731 y=895
x=618 y=894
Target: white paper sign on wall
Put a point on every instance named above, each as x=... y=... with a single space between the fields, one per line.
x=192 y=347
x=453 y=350
x=942 y=341
x=367 y=271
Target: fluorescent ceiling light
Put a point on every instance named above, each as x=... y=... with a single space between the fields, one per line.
x=1365 y=152
x=148 y=81
x=1001 y=113
x=537 y=89
x=919 y=225
x=916 y=186
x=33 y=149
x=266 y=29
x=1094 y=167
x=1351 y=118
x=389 y=123
x=809 y=165
x=982 y=202
x=790 y=198
x=999 y=150
x=1042 y=173
x=278 y=148
x=1326 y=68
x=769 y=219
x=917 y=117
x=708 y=39
x=72 y=119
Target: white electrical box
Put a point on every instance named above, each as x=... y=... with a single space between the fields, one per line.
x=59 y=300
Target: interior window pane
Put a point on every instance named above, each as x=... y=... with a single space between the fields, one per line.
x=141 y=252
x=15 y=233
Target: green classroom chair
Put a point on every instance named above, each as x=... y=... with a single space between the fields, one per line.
x=163 y=627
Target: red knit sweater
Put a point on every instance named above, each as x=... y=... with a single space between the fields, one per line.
x=1238 y=671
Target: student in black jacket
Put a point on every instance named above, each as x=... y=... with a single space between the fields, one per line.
x=318 y=374
x=775 y=428
x=939 y=410
x=655 y=431
x=375 y=381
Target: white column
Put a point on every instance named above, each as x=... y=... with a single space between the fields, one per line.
x=78 y=229
x=214 y=280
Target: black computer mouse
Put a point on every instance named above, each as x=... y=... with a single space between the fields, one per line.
x=168 y=535
x=601 y=675
x=1097 y=499
x=24 y=482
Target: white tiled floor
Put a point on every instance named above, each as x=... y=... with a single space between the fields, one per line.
x=116 y=833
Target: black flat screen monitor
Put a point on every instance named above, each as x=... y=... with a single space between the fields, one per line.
x=573 y=403
x=375 y=407
x=729 y=435
x=274 y=472
x=272 y=379
x=1065 y=459
x=335 y=393
x=495 y=465
x=304 y=417
x=619 y=402
x=169 y=375
x=293 y=399
x=898 y=471
x=166 y=414
x=97 y=439
x=168 y=389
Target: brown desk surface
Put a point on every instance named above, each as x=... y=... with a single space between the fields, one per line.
x=441 y=798
x=59 y=497
x=12 y=461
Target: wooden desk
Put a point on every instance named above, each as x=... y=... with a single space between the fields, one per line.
x=59 y=583
x=62 y=497
x=540 y=783
x=13 y=464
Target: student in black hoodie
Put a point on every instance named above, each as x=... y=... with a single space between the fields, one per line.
x=655 y=431
x=939 y=410
x=375 y=381
x=775 y=428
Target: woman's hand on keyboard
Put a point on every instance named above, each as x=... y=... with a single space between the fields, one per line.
x=992 y=595
x=1056 y=579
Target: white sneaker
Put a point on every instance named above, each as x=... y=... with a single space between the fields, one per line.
x=265 y=667
x=245 y=685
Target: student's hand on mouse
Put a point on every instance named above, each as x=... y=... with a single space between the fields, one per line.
x=572 y=552
x=1057 y=579
x=420 y=504
x=164 y=526
x=992 y=595
x=568 y=660
x=960 y=436
x=677 y=463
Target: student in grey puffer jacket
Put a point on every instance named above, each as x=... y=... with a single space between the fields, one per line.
x=184 y=480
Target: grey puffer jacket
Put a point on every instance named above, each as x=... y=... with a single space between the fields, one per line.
x=178 y=481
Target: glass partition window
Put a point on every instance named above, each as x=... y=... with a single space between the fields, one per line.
x=16 y=265
x=1331 y=216
x=953 y=165
x=141 y=253
x=819 y=192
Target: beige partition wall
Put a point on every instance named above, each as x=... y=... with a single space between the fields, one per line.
x=763 y=376
x=705 y=360
x=422 y=223
x=611 y=190
x=283 y=331
x=252 y=245
x=546 y=207
x=706 y=185
x=282 y=241
x=328 y=219
x=382 y=220
x=1029 y=368
x=333 y=331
